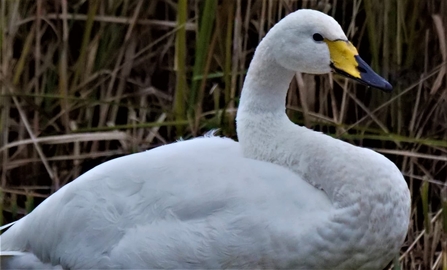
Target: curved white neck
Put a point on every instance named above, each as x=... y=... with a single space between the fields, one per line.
x=265 y=132
x=266 y=85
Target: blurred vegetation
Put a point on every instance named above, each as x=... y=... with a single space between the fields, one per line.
x=82 y=82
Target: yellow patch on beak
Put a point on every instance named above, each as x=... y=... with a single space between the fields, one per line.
x=343 y=56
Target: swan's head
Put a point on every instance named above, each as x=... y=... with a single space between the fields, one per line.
x=310 y=41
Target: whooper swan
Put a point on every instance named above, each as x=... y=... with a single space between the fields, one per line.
x=283 y=197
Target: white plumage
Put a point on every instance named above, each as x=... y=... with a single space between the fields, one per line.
x=284 y=197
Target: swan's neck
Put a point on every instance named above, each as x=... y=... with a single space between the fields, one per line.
x=265 y=132
x=266 y=85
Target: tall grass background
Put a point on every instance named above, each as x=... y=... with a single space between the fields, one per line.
x=82 y=82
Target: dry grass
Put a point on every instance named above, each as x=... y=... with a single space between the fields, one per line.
x=86 y=81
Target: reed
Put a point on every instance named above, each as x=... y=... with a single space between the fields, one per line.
x=82 y=82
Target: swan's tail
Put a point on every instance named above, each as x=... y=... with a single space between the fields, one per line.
x=10 y=259
x=23 y=260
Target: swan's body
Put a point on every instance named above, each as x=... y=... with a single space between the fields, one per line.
x=284 y=197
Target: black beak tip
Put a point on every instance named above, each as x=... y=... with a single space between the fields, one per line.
x=370 y=78
x=380 y=84
x=387 y=87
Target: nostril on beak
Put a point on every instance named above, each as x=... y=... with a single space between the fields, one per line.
x=362 y=70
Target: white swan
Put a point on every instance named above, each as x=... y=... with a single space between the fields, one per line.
x=214 y=203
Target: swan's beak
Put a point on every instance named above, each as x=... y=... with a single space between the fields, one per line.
x=346 y=61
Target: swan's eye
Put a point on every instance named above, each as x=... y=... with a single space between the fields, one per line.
x=317 y=37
